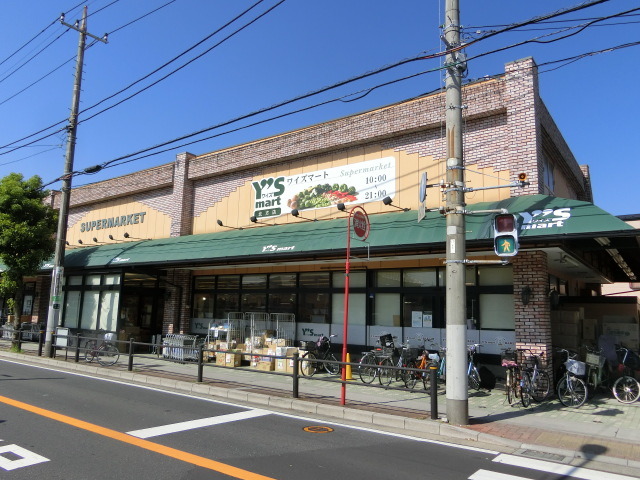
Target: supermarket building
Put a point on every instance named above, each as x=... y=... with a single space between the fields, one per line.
x=190 y=245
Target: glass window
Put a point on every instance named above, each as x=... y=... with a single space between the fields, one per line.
x=75 y=280
x=27 y=304
x=497 y=312
x=254 y=282
x=109 y=310
x=357 y=308
x=314 y=279
x=417 y=311
x=470 y=276
x=386 y=310
x=282 y=280
x=314 y=307
x=89 y=318
x=229 y=282
x=495 y=276
x=93 y=279
x=112 y=279
x=202 y=305
x=204 y=283
x=420 y=277
x=254 y=302
x=356 y=279
x=388 y=278
x=226 y=303
x=71 y=309
x=282 y=303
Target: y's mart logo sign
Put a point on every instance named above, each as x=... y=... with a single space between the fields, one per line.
x=268 y=199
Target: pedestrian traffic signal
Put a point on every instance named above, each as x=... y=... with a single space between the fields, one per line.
x=505 y=235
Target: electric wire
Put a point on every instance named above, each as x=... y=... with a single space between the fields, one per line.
x=304 y=96
x=440 y=54
x=130 y=85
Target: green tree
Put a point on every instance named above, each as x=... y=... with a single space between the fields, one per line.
x=27 y=235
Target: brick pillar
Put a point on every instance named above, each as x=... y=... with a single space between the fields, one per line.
x=522 y=99
x=41 y=300
x=182 y=201
x=177 y=306
x=533 y=320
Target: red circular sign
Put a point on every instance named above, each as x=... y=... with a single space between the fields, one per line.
x=361 y=224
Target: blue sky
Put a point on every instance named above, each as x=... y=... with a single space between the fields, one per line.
x=296 y=48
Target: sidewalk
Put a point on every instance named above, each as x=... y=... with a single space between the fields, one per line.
x=601 y=432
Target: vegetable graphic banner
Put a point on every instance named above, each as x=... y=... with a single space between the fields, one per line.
x=359 y=183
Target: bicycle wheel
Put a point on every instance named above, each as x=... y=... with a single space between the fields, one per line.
x=385 y=374
x=626 y=389
x=572 y=391
x=410 y=377
x=512 y=386
x=307 y=364
x=107 y=354
x=368 y=368
x=474 y=378
x=525 y=389
x=332 y=366
x=90 y=350
x=540 y=386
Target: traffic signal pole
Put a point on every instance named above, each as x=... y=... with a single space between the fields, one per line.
x=456 y=300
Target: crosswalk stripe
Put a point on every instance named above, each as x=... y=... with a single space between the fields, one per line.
x=488 y=475
x=193 y=424
x=559 y=469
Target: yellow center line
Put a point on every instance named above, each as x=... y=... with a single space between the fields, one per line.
x=138 y=442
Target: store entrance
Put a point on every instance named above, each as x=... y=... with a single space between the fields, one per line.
x=141 y=308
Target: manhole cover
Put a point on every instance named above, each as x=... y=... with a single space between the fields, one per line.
x=318 y=429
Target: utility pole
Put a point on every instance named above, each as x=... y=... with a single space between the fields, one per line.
x=456 y=298
x=57 y=277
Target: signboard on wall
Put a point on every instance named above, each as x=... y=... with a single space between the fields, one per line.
x=359 y=183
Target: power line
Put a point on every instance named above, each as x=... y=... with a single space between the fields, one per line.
x=137 y=81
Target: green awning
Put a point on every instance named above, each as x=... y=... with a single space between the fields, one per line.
x=539 y=216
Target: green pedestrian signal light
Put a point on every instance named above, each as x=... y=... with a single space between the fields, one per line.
x=505 y=235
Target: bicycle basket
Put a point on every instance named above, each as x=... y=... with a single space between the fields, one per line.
x=109 y=337
x=306 y=345
x=322 y=343
x=386 y=341
x=576 y=366
x=595 y=360
x=510 y=358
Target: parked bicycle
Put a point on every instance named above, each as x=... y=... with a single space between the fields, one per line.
x=572 y=390
x=371 y=363
x=404 y=361
x=597 y=370
x=473 y=376
x=513 y=377
x=319 y=350
x=420 y=365
x=535 y=384
x=105 y=352
x=626 y=388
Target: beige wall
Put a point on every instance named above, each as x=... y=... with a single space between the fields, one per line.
x=235 y=209
x=115 y=218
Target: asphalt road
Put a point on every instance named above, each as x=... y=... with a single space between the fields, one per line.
x=57 y=425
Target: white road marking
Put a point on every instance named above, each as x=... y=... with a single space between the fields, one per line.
x=26 y=459
x=193 y=424
x=488 y=475
x=559 y=469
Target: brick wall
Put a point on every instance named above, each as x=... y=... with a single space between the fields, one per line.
x=177 y=305
x=182 y=205
x=532 y=321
